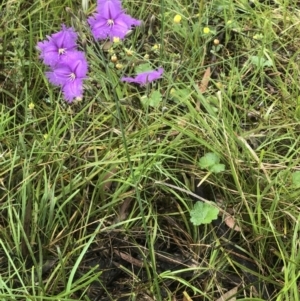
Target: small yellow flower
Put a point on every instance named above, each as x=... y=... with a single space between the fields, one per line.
x=31 y=106
x=156 y=46
x=119 y=66
x=206 y=30
x=216 y=41
x=146 y=56
x=177 y=19
x=116 y=40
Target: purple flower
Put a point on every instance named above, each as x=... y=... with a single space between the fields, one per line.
x=102 y=4
x=69 y=74
x=111 y=21
x=144 y=77
x=58 y=45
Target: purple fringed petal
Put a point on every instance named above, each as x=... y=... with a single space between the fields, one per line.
x=73 y=89
x=69 y=74
x=144 y=77
x=60 y=75
x=131 y=21
x=110 y=21
x=59 y=44
x=77 y=63
x=99 y=27
x=106 y=5
x=66 y=38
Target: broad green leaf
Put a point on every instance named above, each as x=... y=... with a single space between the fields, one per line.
x=153 y=100
x=260 y=61
x=143 y=68
x=209 y=160
x=217 y=168
x=203 y=213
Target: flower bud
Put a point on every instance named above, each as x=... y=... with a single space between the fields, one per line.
x=129 y=52
x=114 y=58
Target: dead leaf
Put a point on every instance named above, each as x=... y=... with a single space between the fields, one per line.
x=231 y=223
x=205 y=80
x=107 y=45
x=229 y=296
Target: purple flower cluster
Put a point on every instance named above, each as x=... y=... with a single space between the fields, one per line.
x=68 y=66
x=110 y=20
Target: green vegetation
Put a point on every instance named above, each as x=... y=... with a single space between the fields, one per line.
x=96 y=196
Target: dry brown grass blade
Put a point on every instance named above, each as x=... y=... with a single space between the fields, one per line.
x=205 y=80
x=129 y=259
x=108 y=179
x=203 y=85
x=123 y=209
x=229 y=296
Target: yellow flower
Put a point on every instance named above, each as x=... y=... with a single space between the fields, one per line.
x=119 y=66
x=31 y=106
x=177 y=19
x=156 y=46
x=116 y=40
x=146 y=56
x=206 y=30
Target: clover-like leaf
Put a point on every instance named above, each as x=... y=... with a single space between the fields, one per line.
x=203 y=213
x=209 y=160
